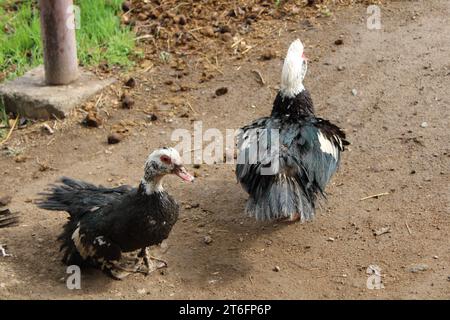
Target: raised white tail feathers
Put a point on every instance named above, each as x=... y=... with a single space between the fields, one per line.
x=294 y=70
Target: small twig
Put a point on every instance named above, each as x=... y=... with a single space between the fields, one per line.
x=145 y=36
x=237 y=42
x=10 y=131
x=261 y=79
x=375 y=196
x=193 y=36
x=98 y=100
x=249 y=48
x=51 y=141
x=196 y=29
x=407 y=227
x=190 y=107
x=3 y=251
x=47 y=127
x=147 y=68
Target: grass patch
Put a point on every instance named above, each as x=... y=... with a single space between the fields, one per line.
x=101 y=37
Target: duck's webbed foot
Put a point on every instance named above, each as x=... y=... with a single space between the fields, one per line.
x=150 y=263
x=124 y=267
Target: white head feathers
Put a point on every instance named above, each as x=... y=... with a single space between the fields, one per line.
x=294 y=70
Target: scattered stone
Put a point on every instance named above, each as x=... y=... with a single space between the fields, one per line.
x=226 y=37
x=435 y=257
x=330 y=239
x=141 y=291
x=92 y=120
x=196 y=166
x=276 y=269
x=225 y=29
x=180 y=19
x=207 y=239
x=340 y=68
x=424 y=125
x=269 y=55
x=114 y=138
x=152 y=117
x=381 y=231
x=20 y=158
x=208 y=32
x=126 y=6
x=221 y=91
x=418 y=268
x=339 y=42
x=127 y=102
x=131 y=83
x=354 y=92
x=5 y=200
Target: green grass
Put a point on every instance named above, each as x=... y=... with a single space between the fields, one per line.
x=101 y=38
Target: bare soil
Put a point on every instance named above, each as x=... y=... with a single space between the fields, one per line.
x=402 y=77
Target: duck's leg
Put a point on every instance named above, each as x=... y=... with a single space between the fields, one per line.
x=294 y=218
x=150 y=267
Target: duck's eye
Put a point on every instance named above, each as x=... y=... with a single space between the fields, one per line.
x=166 y=159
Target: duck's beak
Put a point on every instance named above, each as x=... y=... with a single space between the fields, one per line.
x=183 y=174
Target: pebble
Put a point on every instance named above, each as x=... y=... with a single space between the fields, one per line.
x=340 y=68
x=339 y=42
x=114 y=138
x=269 y=55
x=152 y=117
x=141 y=291
x=424 y=125
x=276 y=269
x=127 y=102
x=126 y=6
x=226 y=37
x=330 y=239
x=354 y=92
x=381 y=231
x=92 y=120
x=208 y=31
x=5 y=200
x=131 y=82
x=207 y=239
x=418 y=268
x=221 y=91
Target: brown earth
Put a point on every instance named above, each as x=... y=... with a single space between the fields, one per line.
x=401 y=74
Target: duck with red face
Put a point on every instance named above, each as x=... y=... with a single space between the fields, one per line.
x=106 y=222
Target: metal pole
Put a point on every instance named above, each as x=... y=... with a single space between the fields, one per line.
x=58 y=36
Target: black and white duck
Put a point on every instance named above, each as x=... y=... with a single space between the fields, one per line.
x=286 y=160
x=105 y=222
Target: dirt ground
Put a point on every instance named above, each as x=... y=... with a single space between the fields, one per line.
x=402 y=77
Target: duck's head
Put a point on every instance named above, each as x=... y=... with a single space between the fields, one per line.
x=294 y=70
x=160 y=163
